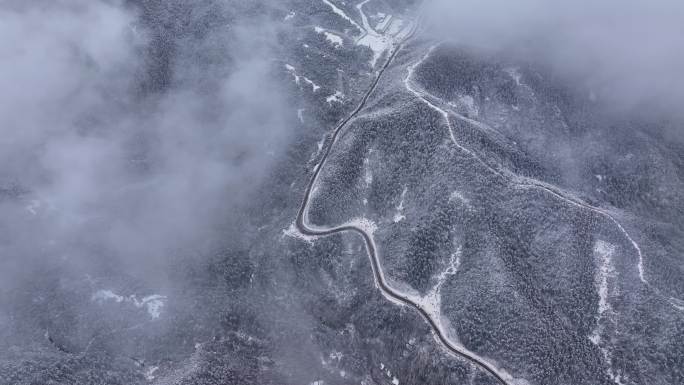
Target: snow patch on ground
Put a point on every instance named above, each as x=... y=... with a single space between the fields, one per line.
x=290 y=15
x=368 y=226
x=336 y=356
x=603 y=251
x=152 y=303
x=315 y=87
x=337 y=97
x=432 y=301
x=104 y=295
x=387 y=372
x=300 y=114
x=298 y=79
x=367 y=173
x=604 y=281
x=343 y=15
x=293 y=72
x=293 y=232
x=399 y=215
x=677 y=303
x=334 y=39
x=149 y=373
x=457 y=196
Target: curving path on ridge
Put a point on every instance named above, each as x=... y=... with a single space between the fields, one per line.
x=378 y=274
x=526 y=182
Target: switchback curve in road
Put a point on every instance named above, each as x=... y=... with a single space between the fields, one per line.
x=390 y=293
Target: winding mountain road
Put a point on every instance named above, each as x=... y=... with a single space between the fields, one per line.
x=366 y=233
x=390 y=293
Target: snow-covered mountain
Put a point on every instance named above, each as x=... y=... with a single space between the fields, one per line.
x=324 y=192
